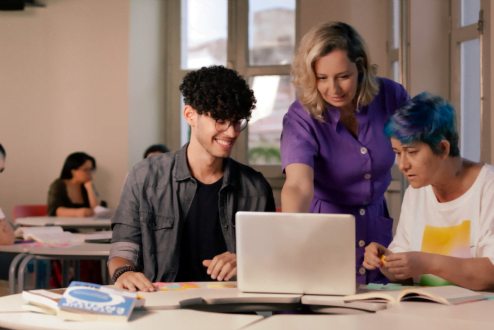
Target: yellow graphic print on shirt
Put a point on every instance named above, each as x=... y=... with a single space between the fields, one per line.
x=448 y=241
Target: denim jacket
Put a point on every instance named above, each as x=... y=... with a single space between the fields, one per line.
x=154 y=204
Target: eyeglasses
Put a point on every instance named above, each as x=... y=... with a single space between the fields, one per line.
x=239 y=125
x=87 y=170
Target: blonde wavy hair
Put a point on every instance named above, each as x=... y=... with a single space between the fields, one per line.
x=320 y=41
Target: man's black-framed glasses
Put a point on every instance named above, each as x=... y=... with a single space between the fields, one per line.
x=239 y=125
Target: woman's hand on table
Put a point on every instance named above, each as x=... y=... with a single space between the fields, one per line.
x=372 y=256
x=134 y=281
x=408 y=264
x=84 y=212
x=222 y=267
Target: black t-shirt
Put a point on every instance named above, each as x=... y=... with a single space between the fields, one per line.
x=201 y=237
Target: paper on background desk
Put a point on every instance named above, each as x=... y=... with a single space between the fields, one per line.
x=100 y=211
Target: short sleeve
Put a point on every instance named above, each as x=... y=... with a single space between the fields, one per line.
x=485 y=246
x=57 y=197
x=401 y=95
x=298 y=140
x=402 y=242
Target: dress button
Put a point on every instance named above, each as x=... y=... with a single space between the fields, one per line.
x=363 y=150
x=173 y=271
x=362 y=212
x=226 y=226
x=361 y=243
x=361 y=271
x=187 y=199
x=367 y=176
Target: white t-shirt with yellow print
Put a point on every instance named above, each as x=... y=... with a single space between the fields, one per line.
x=462 y=228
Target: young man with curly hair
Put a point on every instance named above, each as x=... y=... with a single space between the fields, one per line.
x=176 y=218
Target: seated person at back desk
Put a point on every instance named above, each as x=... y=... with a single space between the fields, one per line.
x=446 y=229
x=73 y=194
x=6 y=230
x=176 y=218
x=156 y=149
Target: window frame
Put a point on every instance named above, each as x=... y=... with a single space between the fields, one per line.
x=237 y=59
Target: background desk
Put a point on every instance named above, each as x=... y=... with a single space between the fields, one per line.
x=75 y=252
x=65 y=223
x=12 y=316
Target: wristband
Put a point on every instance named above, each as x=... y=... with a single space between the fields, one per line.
x=120 y=270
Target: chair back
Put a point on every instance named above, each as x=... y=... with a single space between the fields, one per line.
x=22 y=211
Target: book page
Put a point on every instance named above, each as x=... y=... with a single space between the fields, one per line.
x=26 y=232
x=448 y=294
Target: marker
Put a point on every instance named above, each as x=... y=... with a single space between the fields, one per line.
x=383 y=259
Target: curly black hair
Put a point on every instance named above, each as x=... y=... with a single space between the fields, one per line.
x=220 y=92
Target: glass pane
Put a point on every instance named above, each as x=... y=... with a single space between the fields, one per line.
x=204 y=33
x=469 y=12
x=395 y=71
x=470 y=99
x=184 y=126
x=274 y=95
x=271 y=32
x=396 y=24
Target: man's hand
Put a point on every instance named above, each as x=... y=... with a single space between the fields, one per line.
x=84 y=212
x=133 y=281
x=222 y=267
x=408 y=264
x=373 y=253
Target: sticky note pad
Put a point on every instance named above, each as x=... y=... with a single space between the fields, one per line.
x=374 y=286
x=221 y=285
x=383 y=259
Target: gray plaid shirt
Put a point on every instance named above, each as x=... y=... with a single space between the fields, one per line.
x=154 y=204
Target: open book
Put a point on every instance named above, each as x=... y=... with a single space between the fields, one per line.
x=41 y=301
x=448 y=295
x=84 y=302
x=52 y=235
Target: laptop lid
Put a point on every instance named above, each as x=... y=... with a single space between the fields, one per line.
x=301 y=253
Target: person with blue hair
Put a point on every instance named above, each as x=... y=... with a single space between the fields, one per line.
x=446 y=229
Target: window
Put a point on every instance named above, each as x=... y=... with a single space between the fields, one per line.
x=466 y=75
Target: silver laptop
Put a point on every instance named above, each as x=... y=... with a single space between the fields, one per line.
x=296 y=253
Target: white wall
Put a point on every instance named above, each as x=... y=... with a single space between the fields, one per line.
x=63 y=88
x=368 y=17
x=147 y=65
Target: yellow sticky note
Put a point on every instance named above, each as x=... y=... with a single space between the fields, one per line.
x=221 y=285
x=383 y=259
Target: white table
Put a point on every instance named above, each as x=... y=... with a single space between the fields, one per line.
x=224 y=300
x=336 y=305
x=13 y=317
x=65 y=223
x=377 y=321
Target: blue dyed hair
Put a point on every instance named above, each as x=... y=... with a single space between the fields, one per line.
x=426 y=118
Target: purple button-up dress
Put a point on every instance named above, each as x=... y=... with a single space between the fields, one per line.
x=350 y=176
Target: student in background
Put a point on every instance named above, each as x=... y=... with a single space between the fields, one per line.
x=73 y=194
x=6 y=230
x=446 y=228
x=155 y=149
x=333 y=150
x=176 y=218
